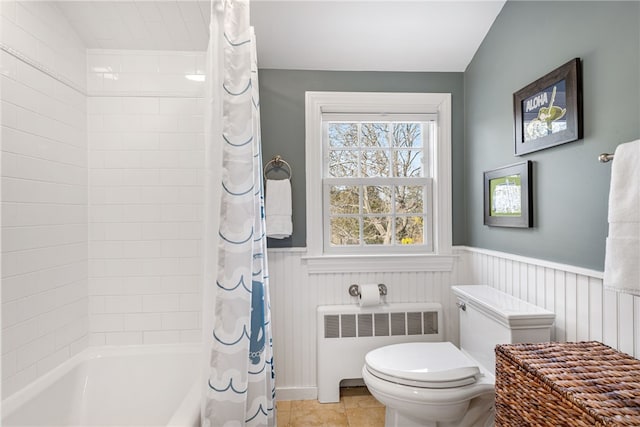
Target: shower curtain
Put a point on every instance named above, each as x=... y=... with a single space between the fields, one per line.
x=240 y=381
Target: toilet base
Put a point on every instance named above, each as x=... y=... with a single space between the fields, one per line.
x=481 y=413
x=395 y=419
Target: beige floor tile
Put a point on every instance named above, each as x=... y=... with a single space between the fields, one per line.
x=357 y=408
x=366 y=417
x=319 y=418
x=283 y=405
x=314 y=405
x=283 y=418
x=361 y=402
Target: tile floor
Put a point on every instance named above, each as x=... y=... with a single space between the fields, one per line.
x=357 y=408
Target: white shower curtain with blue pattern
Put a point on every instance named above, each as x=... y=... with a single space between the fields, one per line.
x=240 y=385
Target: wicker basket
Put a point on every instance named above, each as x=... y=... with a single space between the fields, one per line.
x=566 y=384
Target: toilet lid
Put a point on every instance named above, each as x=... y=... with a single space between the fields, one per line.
x=427 y=365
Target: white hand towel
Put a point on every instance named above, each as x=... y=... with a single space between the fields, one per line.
x=278 y=209
x=622 y=258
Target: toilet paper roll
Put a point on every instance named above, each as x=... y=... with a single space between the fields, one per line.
x=369 y=295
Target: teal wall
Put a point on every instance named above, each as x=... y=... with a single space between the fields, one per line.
x=527 y=40
x=282 y=97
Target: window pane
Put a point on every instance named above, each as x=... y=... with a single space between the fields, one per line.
x=407 y=135
x=375 y=134
x=409 y=199
x=374 y=199
x=343 y=163
x=377 y=199
x=343 y=134
x=344 y=199
x=409 y=230
x=345 y=231
x=375 y=163
x=377 y=230
x=407 y=163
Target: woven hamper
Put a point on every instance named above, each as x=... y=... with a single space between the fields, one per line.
x=566 y=384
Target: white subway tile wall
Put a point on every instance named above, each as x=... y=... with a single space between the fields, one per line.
x=44 y=192
x=41 y=34
x=146 y=158
x=166 y=73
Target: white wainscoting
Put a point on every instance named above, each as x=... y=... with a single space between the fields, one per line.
x=584 y=311
x=295 y=295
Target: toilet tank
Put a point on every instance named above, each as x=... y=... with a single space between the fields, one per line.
x=489 y=317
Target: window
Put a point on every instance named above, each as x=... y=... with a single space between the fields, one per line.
x=378 y=169
x=377 y=183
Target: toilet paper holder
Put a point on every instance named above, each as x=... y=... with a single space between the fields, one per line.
x=354 y=290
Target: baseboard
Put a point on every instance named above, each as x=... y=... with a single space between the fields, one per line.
x=296 y=393
x=310 y=393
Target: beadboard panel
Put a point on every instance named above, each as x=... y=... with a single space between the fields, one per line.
x=584 y=311
x=295 y=295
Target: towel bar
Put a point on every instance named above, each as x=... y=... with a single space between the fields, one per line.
x=605 y=157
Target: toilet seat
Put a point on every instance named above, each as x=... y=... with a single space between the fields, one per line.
x=426 y=365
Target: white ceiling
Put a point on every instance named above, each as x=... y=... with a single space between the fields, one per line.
x=374 y=35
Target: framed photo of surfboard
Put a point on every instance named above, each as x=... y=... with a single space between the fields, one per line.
x=548 y=112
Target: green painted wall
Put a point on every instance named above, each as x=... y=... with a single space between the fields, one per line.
x=282 y=96
x=527 y=40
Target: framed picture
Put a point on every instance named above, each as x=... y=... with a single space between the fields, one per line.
x=548 y=112
x=508 y=198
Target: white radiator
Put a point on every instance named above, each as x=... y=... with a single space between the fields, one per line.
x=346 y=333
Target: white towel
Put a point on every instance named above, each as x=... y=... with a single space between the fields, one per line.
x=622 y=258
x=278 y=209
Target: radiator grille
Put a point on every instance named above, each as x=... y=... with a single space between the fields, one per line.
x=332 y=326
x=365 y=325
x=380 y=324
x=348 y=327
x=431 y=322
x=414 y=323
x=398 y=324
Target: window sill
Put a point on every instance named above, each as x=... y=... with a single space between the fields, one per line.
x=378 y=263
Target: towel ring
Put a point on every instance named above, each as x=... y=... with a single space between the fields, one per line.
x=278 y=163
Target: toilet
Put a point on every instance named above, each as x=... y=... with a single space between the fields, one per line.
x=436 y=384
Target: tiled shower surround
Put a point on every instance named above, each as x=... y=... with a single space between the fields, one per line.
x=145 y=127
x=102 y=157
x=44 y=192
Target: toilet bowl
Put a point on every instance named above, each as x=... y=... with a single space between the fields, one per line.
x=436 y=384
x=429 y=384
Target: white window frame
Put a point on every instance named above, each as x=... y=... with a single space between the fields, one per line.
x=440 y=257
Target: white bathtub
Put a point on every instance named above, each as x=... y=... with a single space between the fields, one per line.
x=114 y=386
